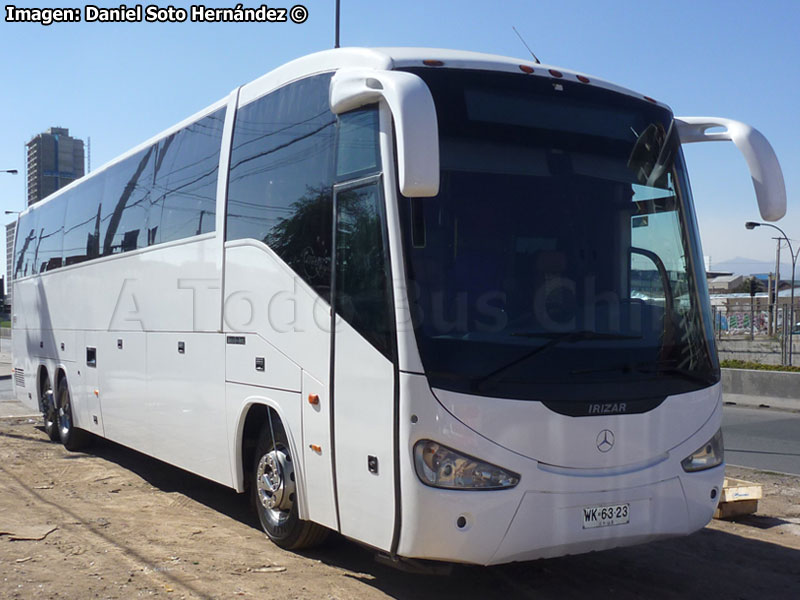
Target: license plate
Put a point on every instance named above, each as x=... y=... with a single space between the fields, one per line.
x=605 y=515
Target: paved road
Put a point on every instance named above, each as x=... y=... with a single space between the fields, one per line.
x=762 y=438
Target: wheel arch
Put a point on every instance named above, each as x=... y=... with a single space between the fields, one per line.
x=61 y=373
x=252 y=416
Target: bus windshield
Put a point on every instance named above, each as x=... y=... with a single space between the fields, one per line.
x=560 y=260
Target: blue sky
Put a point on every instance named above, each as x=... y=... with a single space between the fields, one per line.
x=122 y=83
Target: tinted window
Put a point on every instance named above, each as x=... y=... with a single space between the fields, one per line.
x=362 y=272
x=27 y=235
x=126 y=200
x=83 y=220
x=557 y=261
x=357 y=148
x=185 y=182
x=51 y=234
x=160 y=194
x=281 y=174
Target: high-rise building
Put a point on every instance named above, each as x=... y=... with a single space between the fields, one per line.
x=11 y=230
x=54 y=160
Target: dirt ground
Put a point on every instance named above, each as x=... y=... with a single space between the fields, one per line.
x=116 y=524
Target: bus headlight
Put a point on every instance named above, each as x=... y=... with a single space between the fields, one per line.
x=440 y=466
x=709 y=455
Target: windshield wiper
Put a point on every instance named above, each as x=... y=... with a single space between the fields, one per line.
x=680 y=371
x=656 y=368
x=581 y=335
x=557 y=338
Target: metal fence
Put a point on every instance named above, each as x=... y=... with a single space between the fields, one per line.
x=748 y=321
x=744 y=319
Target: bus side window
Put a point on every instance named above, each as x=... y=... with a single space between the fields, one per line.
x=25 y=244
x=357 y=147
x=185 y=183
x=83 y=220
x=126 y=203
x=51 y=236
x=281 y=173
x=362 y=265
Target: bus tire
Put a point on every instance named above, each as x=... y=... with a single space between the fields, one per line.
x=273 y=493
x=50 y=415
x=72 y=437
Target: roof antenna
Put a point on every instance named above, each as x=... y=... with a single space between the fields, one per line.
x=336 y=42
x=538 y=62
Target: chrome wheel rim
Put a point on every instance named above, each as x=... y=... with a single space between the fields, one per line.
x=275 y=482
x=50 y=414
x=64 y=415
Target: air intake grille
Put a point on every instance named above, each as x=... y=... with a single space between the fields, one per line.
x=19 y=377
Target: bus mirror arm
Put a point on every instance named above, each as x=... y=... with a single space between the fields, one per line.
x=765 y=169
x=414 y=113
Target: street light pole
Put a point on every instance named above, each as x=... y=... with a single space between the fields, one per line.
x=753 y=225
x=10 y=171
x=777 y=282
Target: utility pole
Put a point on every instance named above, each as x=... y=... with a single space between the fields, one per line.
x=752 y=307
x=777 y=280
x=770 y=290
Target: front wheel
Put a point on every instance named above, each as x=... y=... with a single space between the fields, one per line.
x=72 y=437
x=274 y=495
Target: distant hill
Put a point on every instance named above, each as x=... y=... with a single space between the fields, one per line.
x=748 y=266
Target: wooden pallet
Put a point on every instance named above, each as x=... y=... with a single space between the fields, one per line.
x=738 y=498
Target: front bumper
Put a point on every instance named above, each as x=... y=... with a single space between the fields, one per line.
x=542 y=516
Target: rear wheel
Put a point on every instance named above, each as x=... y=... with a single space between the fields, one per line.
x=274 y=495
x=50 y=414
x=72 y=437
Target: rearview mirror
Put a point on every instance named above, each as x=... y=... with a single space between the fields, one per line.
x=416 y=127
x=765 y=169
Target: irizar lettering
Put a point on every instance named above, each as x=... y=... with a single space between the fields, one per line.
x=608 y=409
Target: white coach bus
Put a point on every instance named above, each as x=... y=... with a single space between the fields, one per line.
x=450 y=305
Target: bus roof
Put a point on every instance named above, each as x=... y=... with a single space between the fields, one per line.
x=397 y=58
x=366 y=58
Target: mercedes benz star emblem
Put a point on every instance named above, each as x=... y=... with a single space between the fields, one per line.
x=605 y=440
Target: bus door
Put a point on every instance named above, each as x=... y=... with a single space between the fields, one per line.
x=363 y=374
